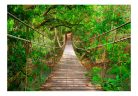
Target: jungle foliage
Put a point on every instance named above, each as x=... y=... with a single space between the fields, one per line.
x=29 y=64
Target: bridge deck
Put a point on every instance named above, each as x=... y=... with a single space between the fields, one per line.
x=68 y=74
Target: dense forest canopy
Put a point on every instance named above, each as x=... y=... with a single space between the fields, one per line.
x=75 y=17
x=44 y=23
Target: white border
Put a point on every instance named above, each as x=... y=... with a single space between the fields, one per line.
x=3 y=49
x=69 y=1
x=134 y=47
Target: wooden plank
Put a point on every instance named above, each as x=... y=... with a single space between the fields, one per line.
x=68 y=74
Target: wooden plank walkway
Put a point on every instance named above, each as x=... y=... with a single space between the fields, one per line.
x=68 y=74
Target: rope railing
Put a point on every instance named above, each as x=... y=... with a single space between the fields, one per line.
x=110 y=30
x=9 y=35
x=13 y=16
x=61 y=46
x=56 y=38
x=108 y=51
x=26 y=40
x=88 y=50
x=113 y=29
x=50 y=58
x=122 y=39
x=77 y=47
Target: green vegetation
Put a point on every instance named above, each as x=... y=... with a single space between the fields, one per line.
x=35 y=50
x=108 y=51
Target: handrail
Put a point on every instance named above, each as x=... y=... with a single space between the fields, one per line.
x=18 y=38
x=104 y=34
x=77 y=47
x=44 y=45
x=122 y=39
x=24 y=23
x=113 y=29
x=29 y=27
x=59 y=42
x=56 y=38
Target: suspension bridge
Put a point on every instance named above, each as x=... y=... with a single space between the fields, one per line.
x=69 y=73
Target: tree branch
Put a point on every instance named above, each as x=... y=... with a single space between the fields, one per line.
x=48 y=10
